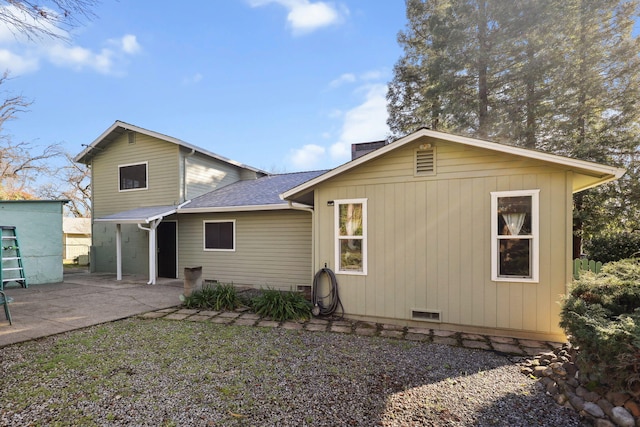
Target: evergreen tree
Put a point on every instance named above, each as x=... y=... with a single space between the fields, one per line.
x=557 y=75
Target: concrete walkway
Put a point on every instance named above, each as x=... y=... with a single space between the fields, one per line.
x=82 y=300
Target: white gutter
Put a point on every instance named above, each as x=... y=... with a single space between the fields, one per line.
x=248 y=208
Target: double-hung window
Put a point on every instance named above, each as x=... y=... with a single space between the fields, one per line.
x=133 y=176
x=514 y=229
x=220 y=235
x=351 y=236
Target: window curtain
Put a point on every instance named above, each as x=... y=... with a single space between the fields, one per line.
x=352 y=223
x=514 y=222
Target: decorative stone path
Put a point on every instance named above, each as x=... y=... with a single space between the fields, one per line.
x=508 y=346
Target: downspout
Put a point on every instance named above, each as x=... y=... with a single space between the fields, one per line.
x=118 y=251
x=313 y=234
x=152 y=249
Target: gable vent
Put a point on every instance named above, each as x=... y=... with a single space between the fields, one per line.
x=432 y=316
x=131 y=135
x=426 y=161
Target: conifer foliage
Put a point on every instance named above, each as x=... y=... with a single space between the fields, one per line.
x=555 y=75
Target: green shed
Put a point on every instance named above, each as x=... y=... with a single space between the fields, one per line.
x=39 y=229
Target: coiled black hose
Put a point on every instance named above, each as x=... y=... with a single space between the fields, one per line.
x=332 y=295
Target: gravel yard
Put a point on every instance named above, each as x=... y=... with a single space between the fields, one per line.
x=179 y=373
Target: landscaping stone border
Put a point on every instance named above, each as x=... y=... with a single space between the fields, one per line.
x=507 y=346
x=562 y=380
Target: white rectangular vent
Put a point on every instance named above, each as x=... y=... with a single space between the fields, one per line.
x=131 y=135
x=432 y=316
x=426 y=162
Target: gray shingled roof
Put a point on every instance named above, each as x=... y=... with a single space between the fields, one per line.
x=256 y=192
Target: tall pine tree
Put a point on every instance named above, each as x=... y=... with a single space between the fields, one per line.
x=557 y=75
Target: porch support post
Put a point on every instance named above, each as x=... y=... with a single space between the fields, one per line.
x=118 y=251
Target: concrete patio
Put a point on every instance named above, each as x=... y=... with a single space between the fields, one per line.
x=82 y=300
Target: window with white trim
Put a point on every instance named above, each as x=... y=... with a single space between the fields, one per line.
x=220 y=235
x=515 y=235
x=133 y=176
x=351 y=236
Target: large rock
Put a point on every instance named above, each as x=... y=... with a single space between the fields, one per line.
x=622 y=417
x=593 y=410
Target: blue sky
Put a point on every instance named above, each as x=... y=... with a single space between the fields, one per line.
x=282 y=85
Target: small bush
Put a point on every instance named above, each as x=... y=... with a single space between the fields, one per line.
x=601 y=315
x=282 y=306
x=613 y=246
x=218 y=297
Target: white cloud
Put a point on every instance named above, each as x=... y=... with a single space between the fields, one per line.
x=130 y=45
x=109 y=60
x=308 y=157
x=345 y=78
x=363 y=123
x=366 y=77
x=17 y=64
x=305 y=16
x=10 y=32
x=373 y=75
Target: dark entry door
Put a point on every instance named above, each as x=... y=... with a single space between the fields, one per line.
x=166 y=234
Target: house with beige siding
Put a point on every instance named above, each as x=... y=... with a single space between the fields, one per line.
x=441 y=231
x=433 y=230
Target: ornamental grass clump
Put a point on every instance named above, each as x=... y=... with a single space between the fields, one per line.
x=282 y=306
x=218 y=297
x=601 y=315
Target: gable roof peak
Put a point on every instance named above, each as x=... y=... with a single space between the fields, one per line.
x=119 y=127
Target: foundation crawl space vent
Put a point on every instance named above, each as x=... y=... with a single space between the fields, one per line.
x=431 y=316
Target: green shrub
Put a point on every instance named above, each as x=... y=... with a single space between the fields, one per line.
x=282 y=306
x=601 y=315
x=218 y=297
x=613 y=246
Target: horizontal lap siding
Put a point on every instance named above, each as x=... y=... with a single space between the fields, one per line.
x=273 y=248
x=204 y=174
x=163 y=189
x=429 y=240
x=163 y=175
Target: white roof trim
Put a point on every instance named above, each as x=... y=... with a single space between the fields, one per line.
x=607 y=173
x=141 y=219
x=127 y=126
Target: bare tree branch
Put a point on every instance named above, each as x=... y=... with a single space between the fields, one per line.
x=48 y=18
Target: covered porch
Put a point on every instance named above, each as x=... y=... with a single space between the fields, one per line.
x=148 y=219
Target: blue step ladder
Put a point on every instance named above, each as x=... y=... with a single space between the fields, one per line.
x=11 y=268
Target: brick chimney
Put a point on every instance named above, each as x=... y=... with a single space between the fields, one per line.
x=362 y=148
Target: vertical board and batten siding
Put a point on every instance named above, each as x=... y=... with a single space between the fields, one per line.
x=272 y=249
x=163 y=182
x=429 y=240
x=163 y=175
x=204 y=174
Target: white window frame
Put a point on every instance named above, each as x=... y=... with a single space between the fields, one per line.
x=204 y=235
x=534 y=236
x=146 y=178
x=338 y=238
